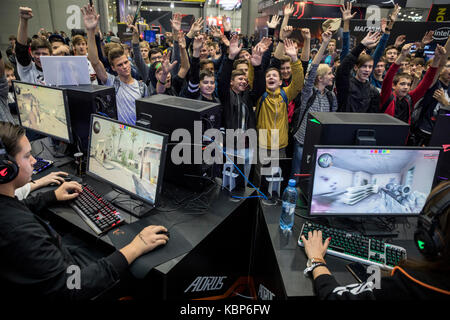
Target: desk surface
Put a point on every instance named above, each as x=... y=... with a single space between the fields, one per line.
x=291 y=258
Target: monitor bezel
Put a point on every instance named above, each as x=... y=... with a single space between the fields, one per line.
x=359 y=215
x=161 y=167
x=66 y=107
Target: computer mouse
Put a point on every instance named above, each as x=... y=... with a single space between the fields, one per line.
x=167 y=233
x=67 y=179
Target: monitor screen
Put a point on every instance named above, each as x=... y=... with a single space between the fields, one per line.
x=364 y=180
x=150 y=36
x=130 y=158
x=43 y=109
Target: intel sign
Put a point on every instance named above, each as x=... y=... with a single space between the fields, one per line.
x=441 y=33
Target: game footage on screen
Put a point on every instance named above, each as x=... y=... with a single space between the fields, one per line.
x=42 y=109
x=372 y=181
x=126 y=156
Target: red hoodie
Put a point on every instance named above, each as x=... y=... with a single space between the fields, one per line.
x=416 y=94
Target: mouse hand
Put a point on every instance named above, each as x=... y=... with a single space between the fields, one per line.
x=151 y=237
x=68 y=191
x=52 y=178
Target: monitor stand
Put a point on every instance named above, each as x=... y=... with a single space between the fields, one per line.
x=131 y=205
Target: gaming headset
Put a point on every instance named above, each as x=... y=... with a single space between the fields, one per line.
x=8 y=166
x=429 y=237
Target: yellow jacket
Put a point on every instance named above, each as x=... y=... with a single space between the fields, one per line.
x=273 y=112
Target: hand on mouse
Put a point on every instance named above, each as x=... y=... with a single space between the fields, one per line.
x=52 y=178
x=148 y=239
x=68 y=191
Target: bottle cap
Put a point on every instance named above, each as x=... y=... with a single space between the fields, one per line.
x=292 y=182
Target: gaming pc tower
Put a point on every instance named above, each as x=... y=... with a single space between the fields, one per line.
x=83 y=101
x=165 y=114
x=342 y=128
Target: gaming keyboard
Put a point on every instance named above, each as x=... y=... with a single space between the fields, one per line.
x=97 y=212
x=41 y=165
x=356 y=247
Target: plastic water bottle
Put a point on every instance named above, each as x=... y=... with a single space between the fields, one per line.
x=288 y=209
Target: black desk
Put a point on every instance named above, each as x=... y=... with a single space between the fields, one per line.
x=278 y=265
x=217 y=252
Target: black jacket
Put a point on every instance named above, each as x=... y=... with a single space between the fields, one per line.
x=353 y=95
x=233 y=103
x=402 y=285
x=34 y=263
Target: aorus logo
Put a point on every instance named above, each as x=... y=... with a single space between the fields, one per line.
x=4 y=172
x=446 y=147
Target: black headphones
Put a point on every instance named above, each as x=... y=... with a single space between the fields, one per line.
x=8 y=166
x=429 y=237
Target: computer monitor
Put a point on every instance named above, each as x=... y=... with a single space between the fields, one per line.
x=129 y=158
x=150 y=36
x=371 y=181
x=43 y=109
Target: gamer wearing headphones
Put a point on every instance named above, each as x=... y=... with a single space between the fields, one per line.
x=35 y=261
x=411 y=279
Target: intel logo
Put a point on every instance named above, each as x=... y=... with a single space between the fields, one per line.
x=441 y=33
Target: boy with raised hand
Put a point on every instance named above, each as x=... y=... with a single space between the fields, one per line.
x=397 y=98
x=272 y=106
x=356 y=94
x=29 y=67
x=126 y=87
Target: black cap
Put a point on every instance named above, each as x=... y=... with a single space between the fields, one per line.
x=56 y=37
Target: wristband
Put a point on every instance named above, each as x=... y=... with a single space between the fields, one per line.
x=309 y=270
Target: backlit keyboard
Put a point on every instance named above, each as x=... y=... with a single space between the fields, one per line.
x=356 y=247
x=97 y=212
x=41 y=165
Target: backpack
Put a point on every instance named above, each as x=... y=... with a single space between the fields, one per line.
x=309 y=103
x=391 y=98
x=142 y=86
x=264 y=96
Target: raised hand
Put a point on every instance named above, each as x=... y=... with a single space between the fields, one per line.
x=235 y=47
x=176 y=22
x=215 y=31
x=196 y=27
x=371 y=39
x=393 y=16
x=288 y=9
x=198 y=42
x=132 y=26
x=272 y=24
x=428 y=37
x=326 y=36
x=226 y=23
x=90 y=17
x=399 y=40
x=166 y=65
x=286 y=32
x=306 y=33
x=346 y=11
x=406 y=48
x=25 y=13
x=289 y=49
x=257 y=53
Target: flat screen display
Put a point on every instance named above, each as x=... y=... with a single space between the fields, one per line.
x=372 y=180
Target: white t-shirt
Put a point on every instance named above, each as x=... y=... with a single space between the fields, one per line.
x=126 y=97
x=30 y=73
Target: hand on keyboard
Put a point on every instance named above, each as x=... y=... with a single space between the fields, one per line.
x=68 y=191
x=315 y=247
